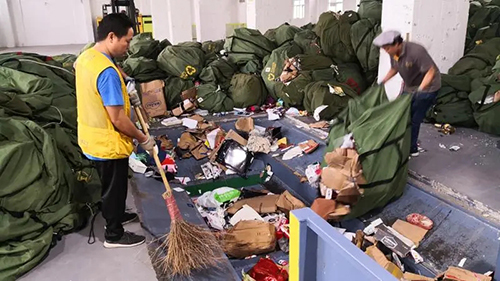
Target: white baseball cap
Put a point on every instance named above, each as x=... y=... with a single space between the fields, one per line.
x=386 y=38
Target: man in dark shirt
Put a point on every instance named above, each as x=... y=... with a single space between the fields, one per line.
x=420 y=75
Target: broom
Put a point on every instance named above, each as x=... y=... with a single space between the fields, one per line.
x=189 y=247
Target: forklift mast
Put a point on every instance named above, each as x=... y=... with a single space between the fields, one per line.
x=123 y=6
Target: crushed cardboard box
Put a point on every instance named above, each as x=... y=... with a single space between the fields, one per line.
x=189 y=93
x=245 y=124
x=153 y=99
x=410 y=231
x=393 y=240
x=324 y=207
x=379 y=257
x=248 y=238
x=187 y=141
x=287 y=202
x=184 y=106
x=262 y=204
x=460 y=274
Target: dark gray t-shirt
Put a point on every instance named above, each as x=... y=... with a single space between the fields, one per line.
x=413 y=64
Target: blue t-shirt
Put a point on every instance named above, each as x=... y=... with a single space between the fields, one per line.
x=110 y=89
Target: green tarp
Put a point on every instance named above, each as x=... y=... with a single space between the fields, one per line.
x=362 y=34
x=181 y=61
x=381 y=130
x=247 y=90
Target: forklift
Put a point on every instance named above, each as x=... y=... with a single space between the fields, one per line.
x=142 y=23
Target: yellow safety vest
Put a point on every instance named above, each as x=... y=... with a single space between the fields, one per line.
x=97 y=136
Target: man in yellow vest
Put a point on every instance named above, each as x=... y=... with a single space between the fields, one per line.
x=105 y=131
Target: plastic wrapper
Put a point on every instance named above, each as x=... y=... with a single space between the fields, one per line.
x=268 y=270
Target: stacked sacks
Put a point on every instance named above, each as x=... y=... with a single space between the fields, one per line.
x=346 y=73
x=37 y=103
x=334 y=30
x=174 y=86
x=143 y=69
x=212 y=50
x=292 y=93
x=275 y=63
x=213 y=98
x=362 y=34
x=381 y=131
x=308 y=41
x=219 y=71
x=481 y=17
x=325 y=100
x=282 y=34
x=485 y=99
x=482 y=35
x=143 y=45
x=247 y=90
x=452 y=103
x=478 y=62
x=246 y=45
x=185 y=61
x=370 y=9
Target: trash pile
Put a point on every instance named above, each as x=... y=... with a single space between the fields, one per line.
x=317 y=68
x=387 y=245
x=48 y=188
x=470 y=95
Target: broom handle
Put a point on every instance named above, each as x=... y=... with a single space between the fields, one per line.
x=168 y=192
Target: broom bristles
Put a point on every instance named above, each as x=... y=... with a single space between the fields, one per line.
x=188 y=248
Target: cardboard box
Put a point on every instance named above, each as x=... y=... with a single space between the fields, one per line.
x=262 y=204
x=153 y=98
x=323 y=207
x=189 y=93
x=379 y=257
x=415 y=277
x=248 y=238
x=410 y=231
x=460 y=274
x=393 y=240
x=185 y=106
x=287 y=202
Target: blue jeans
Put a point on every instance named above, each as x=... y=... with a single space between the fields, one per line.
x=420 y=104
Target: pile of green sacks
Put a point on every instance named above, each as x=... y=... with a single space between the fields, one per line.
x=48 y=188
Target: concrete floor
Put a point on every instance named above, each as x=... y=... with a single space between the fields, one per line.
x=46 y=50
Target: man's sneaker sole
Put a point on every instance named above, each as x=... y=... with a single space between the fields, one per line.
x=416 y=154
x=117 y=245
x=130 y=221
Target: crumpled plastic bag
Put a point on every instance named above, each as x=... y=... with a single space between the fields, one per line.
x=258 y=143
x=313 y=173
x=217 y=197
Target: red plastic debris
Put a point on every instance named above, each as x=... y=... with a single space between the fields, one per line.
x=268 y=270
x=420 y=220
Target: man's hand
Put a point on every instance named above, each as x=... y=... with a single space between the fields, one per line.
x=134 y=99
x=149 y=145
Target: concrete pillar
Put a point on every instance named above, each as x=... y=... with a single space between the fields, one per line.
x=172 y=19
x=439 y=26
x=211 y=19
x=7 y=38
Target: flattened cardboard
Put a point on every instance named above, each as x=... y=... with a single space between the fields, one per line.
x=379 y=257
x=415 y=277
x=287 y=202
x=349 y=195
x=249 y=238
x=200 y=152
x=153 y=99
x=333 y=178
x=187 y=141
x=309 y=146
x=245 y=124
x=387 y=237
x=197 y=118
x=323 y=207
x=341 y=210
x=319 y=125
x=262 y=204
x=410 y=231
x=188 y=106
x=460 y=274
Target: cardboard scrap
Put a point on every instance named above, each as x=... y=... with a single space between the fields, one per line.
x=153 y=99
x=200 y=151
x=245 y=124
x=249 y=238
x=460 y=274
x=189 y=93
x=246 y=213
x=262 y=204
x=410 y=231
x=190 y=123
x=185 y=106
x=287 y=202
x=187 y=141
x=379 y=257
x=319 y=125
x=393 y=240
x=323 y=207
x=415 y=277
x=341 y=210
x=308 y=146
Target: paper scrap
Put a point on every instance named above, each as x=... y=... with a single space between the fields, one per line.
x=442 y=146
x=318 y=110
x=178 y=189
x=211 y=137
x=172 y=121
x=271 y=115
x=246 y=213
x=183 y=180
x=201 y=112
x=349 y=235
x=462 y=262
x=340 y=230
x=190 y=123
x=416 y=256
x=292 y=153
x=292 y=111
x=370 y=229
x=136 y=165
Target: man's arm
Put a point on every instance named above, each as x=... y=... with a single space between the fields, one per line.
x=429 y=76
x=123 y=124
x=389 y=75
